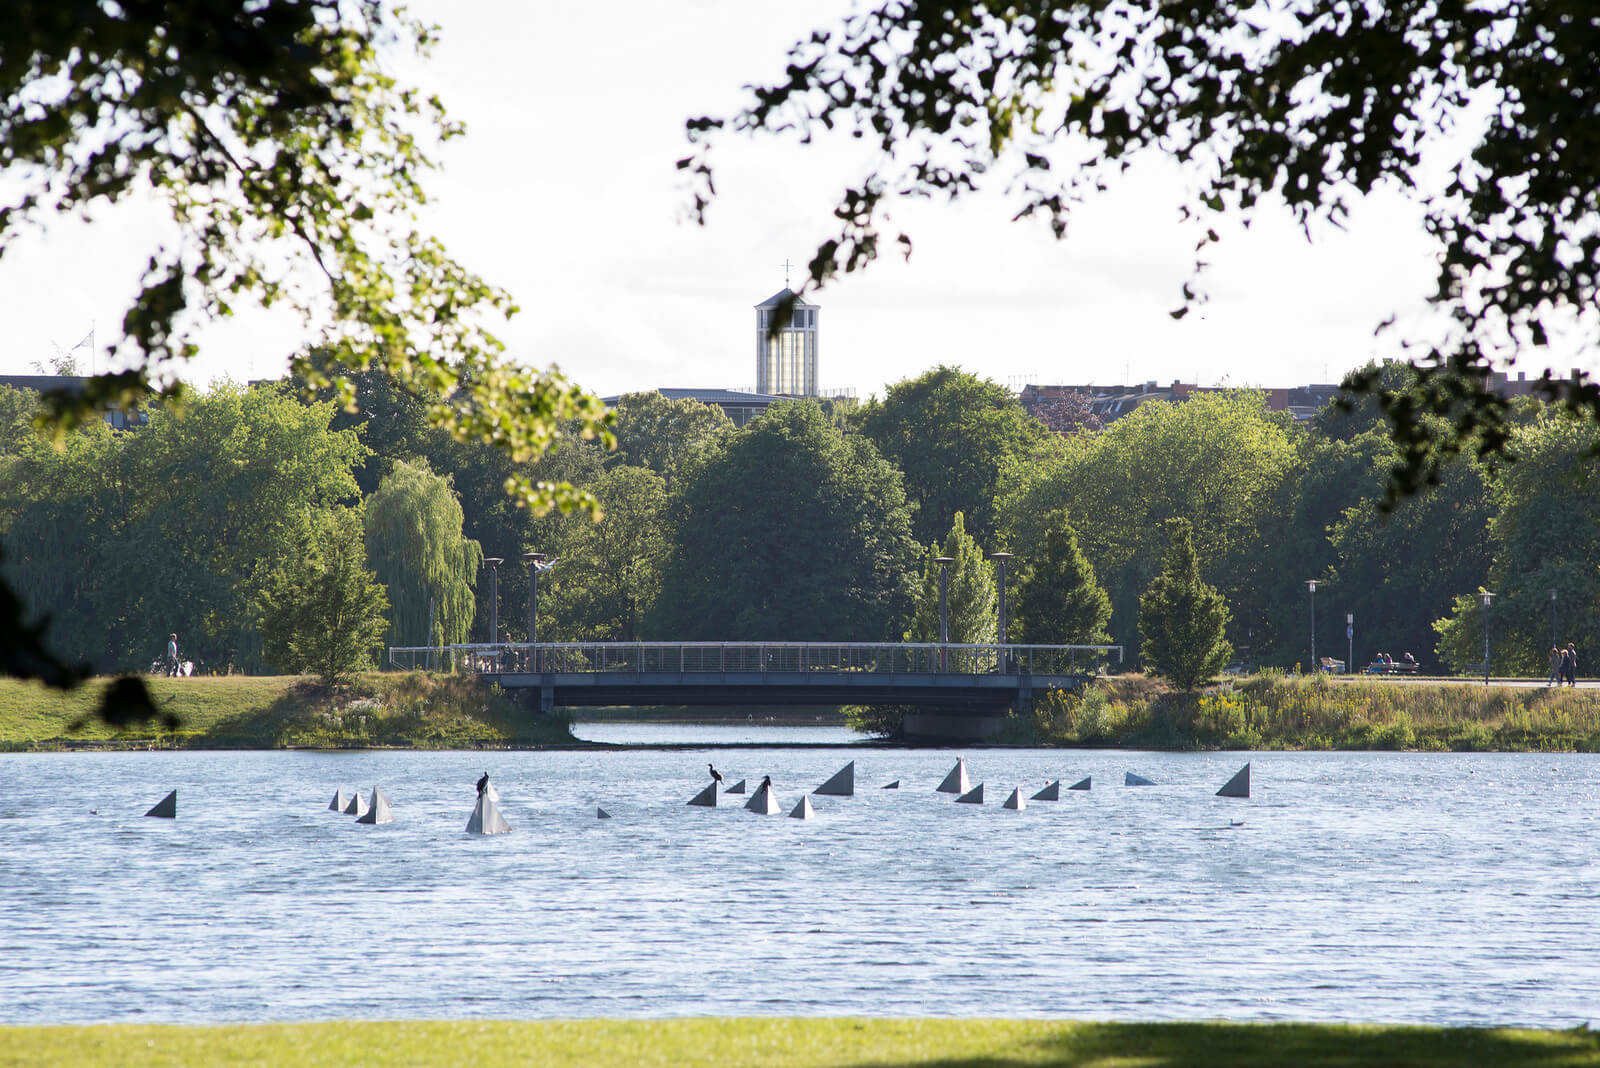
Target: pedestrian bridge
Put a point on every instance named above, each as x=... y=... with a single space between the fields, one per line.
x=965 y=679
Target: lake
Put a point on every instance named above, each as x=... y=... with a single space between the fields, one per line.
x=1381 y=887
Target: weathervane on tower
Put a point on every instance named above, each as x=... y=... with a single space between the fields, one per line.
x=786 y=266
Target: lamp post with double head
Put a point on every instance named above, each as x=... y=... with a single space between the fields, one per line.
x=944 y=563
x=533 y=560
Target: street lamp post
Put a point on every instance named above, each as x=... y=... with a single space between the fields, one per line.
x=944 y=563
x=533 y=560
x=1350 y=642
x=1000 y=560
x=1311 y=584
x=1484 y=596
x=494 y=563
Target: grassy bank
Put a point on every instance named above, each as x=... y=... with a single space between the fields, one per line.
x=800 y=1042
x=1275 y=711
x=242 y=712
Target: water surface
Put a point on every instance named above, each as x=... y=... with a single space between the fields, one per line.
x=1454 y=889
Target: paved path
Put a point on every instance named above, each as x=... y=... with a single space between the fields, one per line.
x=1494 y=680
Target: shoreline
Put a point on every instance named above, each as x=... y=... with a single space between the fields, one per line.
x=400 y=711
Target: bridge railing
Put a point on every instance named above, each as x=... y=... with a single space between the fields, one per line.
x=780 y=657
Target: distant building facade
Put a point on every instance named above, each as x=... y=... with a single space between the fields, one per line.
x=737 y=406
x=73 y=384
x=786 y=361
x=1111 y=403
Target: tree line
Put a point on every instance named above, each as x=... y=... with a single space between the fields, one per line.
x=250 y=518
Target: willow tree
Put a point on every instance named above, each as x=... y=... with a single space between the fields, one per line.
x=971 y=600
x=415 y=545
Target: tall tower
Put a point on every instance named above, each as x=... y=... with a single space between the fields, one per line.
x=786 y=363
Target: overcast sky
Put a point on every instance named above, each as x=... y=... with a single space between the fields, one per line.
x=564 y=192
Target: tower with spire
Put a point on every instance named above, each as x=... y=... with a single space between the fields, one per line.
x=786 y=360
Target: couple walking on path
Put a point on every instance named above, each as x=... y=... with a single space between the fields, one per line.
x=1563 y=665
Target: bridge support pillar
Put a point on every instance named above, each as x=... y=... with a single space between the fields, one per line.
x=547 y=698
x=1022 y=703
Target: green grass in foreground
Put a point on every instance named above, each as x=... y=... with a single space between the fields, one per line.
x=798 y=1042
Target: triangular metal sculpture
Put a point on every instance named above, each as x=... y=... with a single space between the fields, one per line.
x=803 y=811
x=843 y=783
x=338 y=802
x=1130 y=779
x=891 y=786
x=379 y=812
x=1015 y=801
x=972 y=797
x=166 y=808
x=1082 y=784
x=956 y=782
x=736 y=788
x=356 y=807
x=486 y=818
x=601 y=814
x=763 y=802
x=706 y=798
x=1238 y=786
x=1049 y=793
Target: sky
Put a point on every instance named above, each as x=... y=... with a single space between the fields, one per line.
x=564 y=192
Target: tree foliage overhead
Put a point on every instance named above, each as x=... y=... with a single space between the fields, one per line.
x=291 y=161
x=1313 y=103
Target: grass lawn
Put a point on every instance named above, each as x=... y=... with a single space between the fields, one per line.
x=274 y=711
x=746 y=1043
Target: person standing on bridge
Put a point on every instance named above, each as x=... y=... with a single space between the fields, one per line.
x=1571 y=658
x=1556 y=662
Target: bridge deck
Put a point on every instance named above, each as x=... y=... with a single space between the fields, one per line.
x=978 y=677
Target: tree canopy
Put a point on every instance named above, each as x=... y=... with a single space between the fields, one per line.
x=789 y=531
x=1483 y=113
x=291 y=161
x=971 y=605
x=951 y=433
x=1182 y=619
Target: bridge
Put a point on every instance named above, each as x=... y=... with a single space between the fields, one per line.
x=947 y=684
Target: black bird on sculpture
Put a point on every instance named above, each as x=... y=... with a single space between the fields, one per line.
x=716 y=775
x=766 y=780
x=483 y=784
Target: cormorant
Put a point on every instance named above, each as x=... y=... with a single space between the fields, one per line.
x=483 y=784
x=716 y=775
x=766 y=781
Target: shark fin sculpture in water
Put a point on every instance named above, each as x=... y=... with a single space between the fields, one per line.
x=486 y=818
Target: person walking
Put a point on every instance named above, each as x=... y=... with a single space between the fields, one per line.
x=1571 y=657
x=1556 y=660
x=172 y=656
